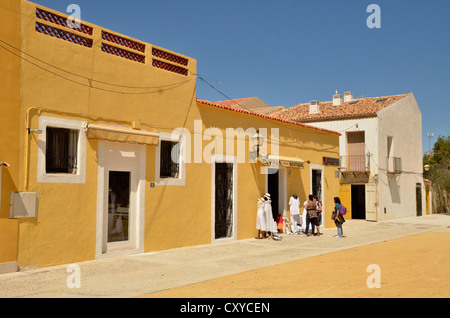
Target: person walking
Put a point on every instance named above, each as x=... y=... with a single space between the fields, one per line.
x=319 y=213
x=338 y=218
x=294 y=211
x=260 y=219
x=310 y=215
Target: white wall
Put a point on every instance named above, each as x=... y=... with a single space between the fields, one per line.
x=368 y=125
x=403 y=121
x=397 y=193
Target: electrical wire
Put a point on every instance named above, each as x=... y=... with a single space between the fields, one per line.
x=157 y=88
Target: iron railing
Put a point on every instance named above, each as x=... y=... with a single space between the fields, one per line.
x=355 y=163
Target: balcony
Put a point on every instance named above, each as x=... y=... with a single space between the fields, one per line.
x=355 y=163
x=394 y=165
x=355 y=169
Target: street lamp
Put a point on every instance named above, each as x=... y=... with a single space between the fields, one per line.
x=426 y=167
x=430 y=135
x=257 y=141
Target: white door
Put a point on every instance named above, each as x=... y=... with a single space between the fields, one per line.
x=120 y=197
x=371 y=202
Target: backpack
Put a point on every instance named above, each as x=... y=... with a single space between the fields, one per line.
x=342 y=210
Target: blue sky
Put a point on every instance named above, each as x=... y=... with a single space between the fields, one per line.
x=291 y=51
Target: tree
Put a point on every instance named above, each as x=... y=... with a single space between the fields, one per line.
x=439 y=172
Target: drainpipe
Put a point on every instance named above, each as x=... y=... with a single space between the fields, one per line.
x=26 y=151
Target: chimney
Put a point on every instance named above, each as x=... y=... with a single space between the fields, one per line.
x=314 y=107
x=337 y=99
x=348 y=96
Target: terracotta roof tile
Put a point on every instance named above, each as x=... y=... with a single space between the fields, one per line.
x=359 y=107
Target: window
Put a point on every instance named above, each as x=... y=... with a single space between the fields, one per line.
x=169 y=159
x=61 y=150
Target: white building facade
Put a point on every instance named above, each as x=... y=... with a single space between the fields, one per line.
x=380 y=153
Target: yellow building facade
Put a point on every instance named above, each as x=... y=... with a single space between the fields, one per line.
x=90 y=120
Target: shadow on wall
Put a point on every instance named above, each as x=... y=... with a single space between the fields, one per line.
x=394 y=189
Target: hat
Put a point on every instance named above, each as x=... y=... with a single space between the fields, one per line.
x=261 y=199
x=267 y=195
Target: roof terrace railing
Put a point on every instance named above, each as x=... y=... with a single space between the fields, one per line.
x=56 y=25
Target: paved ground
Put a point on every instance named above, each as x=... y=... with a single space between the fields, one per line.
x=412 y=255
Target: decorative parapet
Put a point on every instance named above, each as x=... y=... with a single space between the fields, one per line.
x=58 y=26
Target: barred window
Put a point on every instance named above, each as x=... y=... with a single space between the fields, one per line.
x=61 y=150
x=169 y=159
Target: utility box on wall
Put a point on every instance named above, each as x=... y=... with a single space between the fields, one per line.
x=23 y=205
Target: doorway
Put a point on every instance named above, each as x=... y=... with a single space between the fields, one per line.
x=358 y=199
x=118 y=206
x=223 y=212
x=273 y=190
x=316 y=183
x=418 y=199
x=120 y=198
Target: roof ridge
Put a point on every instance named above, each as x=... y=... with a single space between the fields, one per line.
x=361 y=98
x=215 y=104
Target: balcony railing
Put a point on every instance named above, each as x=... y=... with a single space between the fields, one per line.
x=355 y=163
x=394 y=164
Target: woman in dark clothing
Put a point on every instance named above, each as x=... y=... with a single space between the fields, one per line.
x=338 y=218
x=310 y=215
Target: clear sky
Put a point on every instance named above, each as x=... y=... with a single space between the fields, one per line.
x=291 y=51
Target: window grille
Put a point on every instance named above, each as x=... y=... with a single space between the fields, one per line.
x=123 y=41
x=64 y=35
x=61 y=150
x=62 y=21
x=123 y=53
x=169 y=56
x=169 y=151
x=170 y=67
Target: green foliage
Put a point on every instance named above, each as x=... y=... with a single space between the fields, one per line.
x=441 y=154
x=439 y=172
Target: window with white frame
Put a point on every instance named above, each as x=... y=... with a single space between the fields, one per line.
x=62 y=150
x=169 y=163
x=169 y=159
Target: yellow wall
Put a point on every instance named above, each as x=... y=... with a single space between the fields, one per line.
x=9 y=129
x=345 y=194
x=65 y=228
x=295 y=141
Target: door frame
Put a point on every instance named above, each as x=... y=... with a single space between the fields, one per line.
x=352 y=200
x=223 y=159
x=322 y=183
x=282 y=186
x=371 y=190
x=133 y=160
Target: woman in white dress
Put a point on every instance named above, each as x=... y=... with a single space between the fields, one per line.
x=260 y=219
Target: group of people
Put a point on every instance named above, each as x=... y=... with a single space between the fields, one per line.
x=299 y=222
x=311 y=216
